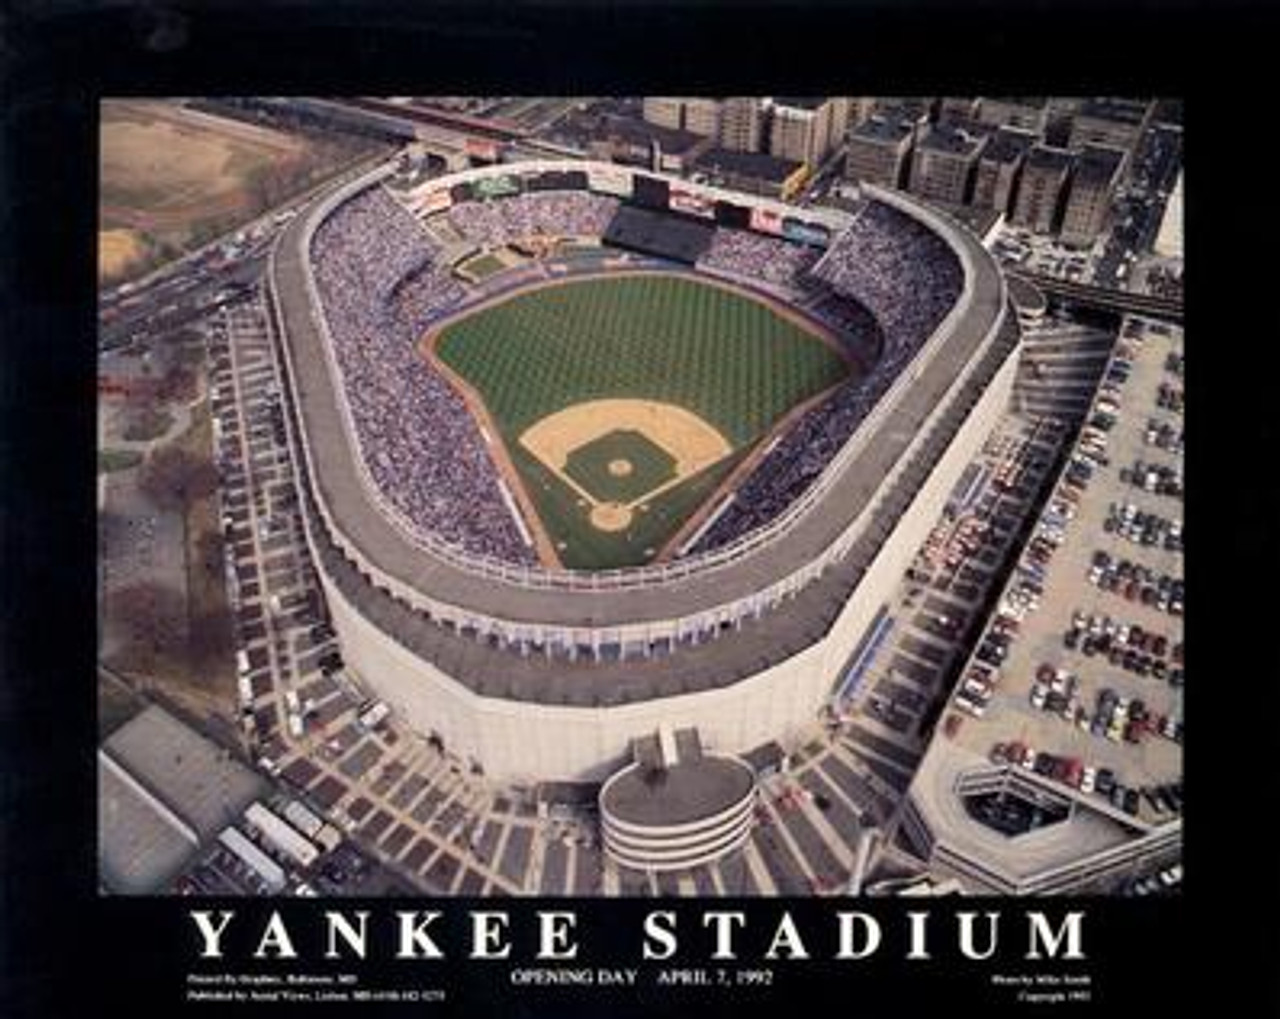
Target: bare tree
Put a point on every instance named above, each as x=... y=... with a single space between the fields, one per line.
x=173 y=478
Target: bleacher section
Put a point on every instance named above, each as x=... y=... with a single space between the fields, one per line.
x=659 y=233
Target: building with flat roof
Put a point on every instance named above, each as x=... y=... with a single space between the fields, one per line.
x=163 y=790
x=879 y=152
x=674 y=806
x=756 y=173
x=734 y=122
x=1025 y=113
x=1113 y=122
x=1042 y=190
x=807 y=129
x=1093 y=185
x=664 y=111
x=741 y=120
x=999 y=167
x=942 y=169
x=638 y=143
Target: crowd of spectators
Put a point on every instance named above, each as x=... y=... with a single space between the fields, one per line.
x=379 y=291
x=758 y=258
x=549 y=213
x=899 y=269
x=905 y=279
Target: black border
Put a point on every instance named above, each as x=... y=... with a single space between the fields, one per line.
x=62 y=949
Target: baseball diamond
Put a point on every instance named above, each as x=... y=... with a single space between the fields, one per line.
x=672 y=377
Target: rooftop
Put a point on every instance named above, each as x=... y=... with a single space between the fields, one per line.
x=760 y=165
x=682 y=793
x=952 y=139
x=1096 y=162
x=1045 y=158
x=1122 y=111
x=1008 y=145
x=199 y=781
x=141 y=845
x=800 y=102
x=640 y=132
x=878 y=128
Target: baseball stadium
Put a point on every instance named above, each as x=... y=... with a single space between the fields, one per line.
x=592 y=456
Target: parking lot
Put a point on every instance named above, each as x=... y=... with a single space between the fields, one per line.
x=1084 y=683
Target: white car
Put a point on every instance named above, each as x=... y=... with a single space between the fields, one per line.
x=1088 y=779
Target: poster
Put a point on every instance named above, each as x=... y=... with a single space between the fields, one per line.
x=398 y=947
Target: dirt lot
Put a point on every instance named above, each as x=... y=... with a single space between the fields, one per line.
x=172 y=178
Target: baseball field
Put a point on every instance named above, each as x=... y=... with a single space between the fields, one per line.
x=624 y=402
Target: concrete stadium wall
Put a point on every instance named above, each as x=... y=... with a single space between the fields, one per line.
x=521 y=741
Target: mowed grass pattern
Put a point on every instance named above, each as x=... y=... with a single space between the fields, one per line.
x=729 y=359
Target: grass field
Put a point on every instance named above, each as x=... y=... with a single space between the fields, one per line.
x=483 y=266
x=733 y=361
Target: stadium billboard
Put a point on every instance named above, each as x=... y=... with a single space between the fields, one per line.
x=806 y=233
x=766 y=221
x=691 y=204
x=609 y=181
x=496 y=187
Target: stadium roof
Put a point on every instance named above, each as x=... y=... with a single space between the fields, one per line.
x=759 y=165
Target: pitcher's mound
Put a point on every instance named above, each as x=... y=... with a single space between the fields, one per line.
x=620 y=468
x=610 y=516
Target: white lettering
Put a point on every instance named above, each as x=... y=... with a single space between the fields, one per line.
x=966 y=935
x=661 y=932
x=1041 y=931
x=787 y=937
x=487 y=931
x=554 y=932
x=869 y=924
x=724 y=922
x=212 y=935
x=275 y=938
x=415 y=942
x=356 y=939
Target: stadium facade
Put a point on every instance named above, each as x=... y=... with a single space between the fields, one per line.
x=534 y=674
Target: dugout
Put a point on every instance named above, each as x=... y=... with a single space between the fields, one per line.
x=654 y=233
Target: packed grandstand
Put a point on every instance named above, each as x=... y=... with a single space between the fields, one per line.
x=384 y=272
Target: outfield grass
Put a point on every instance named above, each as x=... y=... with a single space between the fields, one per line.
x=731 y=360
